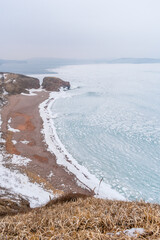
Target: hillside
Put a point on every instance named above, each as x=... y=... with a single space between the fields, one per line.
x=78 y=217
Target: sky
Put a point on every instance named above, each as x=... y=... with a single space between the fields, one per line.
x=80 y=29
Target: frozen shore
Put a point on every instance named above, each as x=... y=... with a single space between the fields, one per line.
x=27 y=168
x=83 y=178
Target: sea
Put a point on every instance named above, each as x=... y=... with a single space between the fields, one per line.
x=109 y=121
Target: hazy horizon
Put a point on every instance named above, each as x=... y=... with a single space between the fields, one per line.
x=82 y=29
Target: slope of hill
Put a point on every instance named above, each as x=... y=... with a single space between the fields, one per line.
x=78 y=217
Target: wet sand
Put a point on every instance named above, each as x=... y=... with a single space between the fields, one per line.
x=22 y=113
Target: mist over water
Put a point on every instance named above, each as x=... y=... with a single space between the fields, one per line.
x=110 y=122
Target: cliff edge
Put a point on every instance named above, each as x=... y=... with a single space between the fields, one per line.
x=54 y=84
x=12 y=83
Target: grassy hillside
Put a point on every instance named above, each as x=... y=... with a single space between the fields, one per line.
x=81 y=217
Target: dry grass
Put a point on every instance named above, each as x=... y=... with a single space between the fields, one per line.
x=10 y=207
x=80 y=217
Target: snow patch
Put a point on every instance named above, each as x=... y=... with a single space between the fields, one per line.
x=4 y=91
x=32 y=92
x=29 y=94
x=133 y=232
x=14 y=142
x=19 y=160
x=10 y=120
x=12 y=129
x=20 y=184
x=24 y=142
x=5 y=75
x=51 y=174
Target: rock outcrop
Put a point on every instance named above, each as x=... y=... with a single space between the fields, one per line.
x=16 y=83
x=54 y=84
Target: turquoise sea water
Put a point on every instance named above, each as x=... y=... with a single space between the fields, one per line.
x=110 y=122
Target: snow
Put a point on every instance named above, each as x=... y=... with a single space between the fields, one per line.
x=32 y=92
x=19 y=160
x=13 y=129
x=5 y=75
x=4 y=91
x=36 y=90
x=85 y=179
x=10 y=128
x=19 y=183
x=51 y=174
x=28 y=94
x=133 y=232
x=24 y=142
x=2 y=140
x=14 y=142
x=10 y=120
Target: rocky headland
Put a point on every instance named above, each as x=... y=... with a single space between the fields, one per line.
x=13 y=83
x=54 y=84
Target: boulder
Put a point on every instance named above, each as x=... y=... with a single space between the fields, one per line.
x=16 y=83
x=54 y=84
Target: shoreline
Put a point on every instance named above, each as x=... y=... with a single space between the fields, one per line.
x=29 y=132
x=21 y=133
x=84 y=178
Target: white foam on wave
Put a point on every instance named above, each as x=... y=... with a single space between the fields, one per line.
x=83 y=177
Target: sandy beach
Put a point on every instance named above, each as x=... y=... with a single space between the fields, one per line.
x=21 y=129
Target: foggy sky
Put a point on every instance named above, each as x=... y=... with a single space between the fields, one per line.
x=79 y=28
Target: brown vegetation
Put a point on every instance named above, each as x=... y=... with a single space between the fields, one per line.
x=81 y=217
x=9 y=207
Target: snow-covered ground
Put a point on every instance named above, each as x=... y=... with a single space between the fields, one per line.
x=16 y=182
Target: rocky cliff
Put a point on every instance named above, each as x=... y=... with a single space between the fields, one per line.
x=54 y=84
x=16 y=83
x=11 y=84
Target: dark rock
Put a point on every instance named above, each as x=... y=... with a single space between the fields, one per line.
x=54 y=84
x=17 y=83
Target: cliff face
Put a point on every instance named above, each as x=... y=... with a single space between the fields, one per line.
x=12 y=83
x=54 y=84
x=16 y=83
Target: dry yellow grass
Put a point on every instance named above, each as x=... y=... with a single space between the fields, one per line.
x=83 y=218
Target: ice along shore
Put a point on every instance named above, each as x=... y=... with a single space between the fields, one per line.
x=32 y=149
